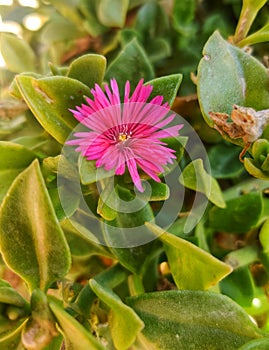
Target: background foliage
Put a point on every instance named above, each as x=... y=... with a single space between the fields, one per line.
x=60 y=288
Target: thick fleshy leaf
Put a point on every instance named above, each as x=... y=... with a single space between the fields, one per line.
x=82 y=242
x=193 y=320
x=244 y=83
x=131 y=64
x=112 y=13
x=195 y=177
x=191 y=267
x=264 y=236
x=127 y=235
x=14 y=158
x=258 y=165
x=233 y=218
x=50 y=100
x=76 y=336
x=124 y=323
x=243 y=292
x=17 y=53
x=89 y=173
x=32 y=242
x=10 y=334
x=259 y=344
x=166 y=86
x=88 y=69
x=224 y=161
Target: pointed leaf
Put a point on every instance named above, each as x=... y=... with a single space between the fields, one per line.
x=195 y=177
x=233 y=218
x=124 y=323
x=131 y=64
x=17 y=53
x=231 y=73
x=166 y=86
x=14 y=158
x=88 y=69
x=50 y=100
x=193 y=320
x=76 y=336
x=112 y=13
x=191 y=267
x=31 y=240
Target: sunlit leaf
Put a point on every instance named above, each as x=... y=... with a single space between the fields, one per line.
x=193 y=320
x=124 y=323
x=32 y=242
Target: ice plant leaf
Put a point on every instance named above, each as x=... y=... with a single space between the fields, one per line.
x=191 y=267
x=112 y=13
x=125 y=137
x=166 y=86
x=88 y=69
x=31 y=240
x=233 y=218
x=193 y=320
x=17 y=53
x=76 y=336
x=195 y=177
x=49 y=100
x=10 y=335
x=131 y=64
x=14 y=158
x=124 y=323
x=245 y=82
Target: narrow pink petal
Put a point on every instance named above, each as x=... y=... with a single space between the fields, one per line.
x=127 y=91
x=131 y=164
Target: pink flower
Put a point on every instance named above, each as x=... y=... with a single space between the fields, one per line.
x=127 y=134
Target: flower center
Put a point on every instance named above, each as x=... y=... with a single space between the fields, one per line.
x=123 y=137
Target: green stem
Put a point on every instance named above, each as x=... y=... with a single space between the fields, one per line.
x=248 y=14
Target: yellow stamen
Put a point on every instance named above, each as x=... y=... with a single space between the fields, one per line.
x=123 y=137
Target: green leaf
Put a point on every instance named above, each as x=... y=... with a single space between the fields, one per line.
x=131 y=64
x=248 y=14
x=195 y=177
x=76 y=336
x=259 y=344
x=32 y=242
x=50 y=100
x=124 y=323
x=233 y=74
x=224 y=161
x=240 y=215
x=14 y=158
x=193 y=320
x=166 y=86
x=239 y=286
x=183 y=16
x=88 y=69
x=17 y=53
x=257 y=37
x=89 y=173
x=127 y=235
x=10 y=335
x=112 y=13
x=264 y=236
x=191 y=267
x=258 y=166
x=82 y=241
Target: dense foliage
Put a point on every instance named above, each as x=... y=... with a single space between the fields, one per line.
x=89 y=262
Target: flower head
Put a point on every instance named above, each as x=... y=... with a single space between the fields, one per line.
x=127 y=134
